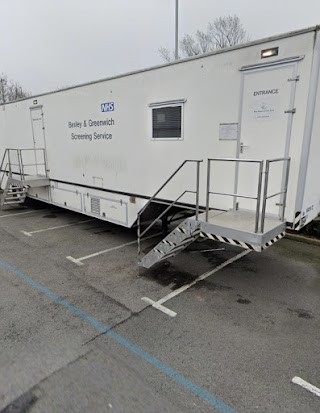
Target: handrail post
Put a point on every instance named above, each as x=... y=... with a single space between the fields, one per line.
x=22 y=165
x=20 y=162
x=36 y=160
x=2 y=170
x=265 y=195
x=9 y=159
x=208 y=190
x=45 y=162
x=284 y=202
x=138 y=234
x=258 y=197
x=197 y=190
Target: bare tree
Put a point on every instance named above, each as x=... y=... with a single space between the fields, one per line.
x=166 y=54
x=10 y=90
x=222 y=32
x=226 y=32
x=189 y=45
x=204 y=41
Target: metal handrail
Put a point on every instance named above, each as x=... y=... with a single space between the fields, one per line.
x=28 y=164
x=283 y=191
x=234 y=195
x=20 y=165
x=165 y=211
x=139 y=234
x=259 y=196
x=277 y=193
x=235 y=160
x=165 y=183
x=3 y=171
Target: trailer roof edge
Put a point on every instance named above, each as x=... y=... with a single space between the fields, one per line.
x=188 y=59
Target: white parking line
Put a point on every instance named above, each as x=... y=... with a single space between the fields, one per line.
x=78 y=261
x=29 y=234
x=159 y=307
x=158 y=304
x=23 y=213
x=310 y=387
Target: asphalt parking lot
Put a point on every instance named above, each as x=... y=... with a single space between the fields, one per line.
x=78 y=332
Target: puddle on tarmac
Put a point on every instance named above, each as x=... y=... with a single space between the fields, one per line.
x=243 y=301
x=302 y=313
x=104 y=231
x=167 y=275
x=212 y=286
x=50 y=216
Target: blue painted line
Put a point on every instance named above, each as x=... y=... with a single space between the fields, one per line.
x=203 y=394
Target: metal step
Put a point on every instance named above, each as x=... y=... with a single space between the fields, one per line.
x=13 y=194
x=16 y=193
x=182 y=236
x=15 y=197
x=12 y=202
x=17 y=189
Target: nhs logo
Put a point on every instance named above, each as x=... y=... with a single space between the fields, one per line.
x=107 y=107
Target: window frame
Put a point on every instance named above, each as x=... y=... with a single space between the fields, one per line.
x=168 y=104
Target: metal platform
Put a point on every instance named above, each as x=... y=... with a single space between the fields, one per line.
x=255 y=230
x=31 y=181
x=20 y=170
x=238 y=228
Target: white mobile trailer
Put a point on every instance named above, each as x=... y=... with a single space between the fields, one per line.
x=104 y=148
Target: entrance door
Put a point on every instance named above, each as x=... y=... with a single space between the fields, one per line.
x=39 y=143
x=265 y=129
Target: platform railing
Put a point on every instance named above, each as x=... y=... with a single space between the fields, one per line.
x=13 y=162
x=262 y=188
x=172 y=203
x=284 y=188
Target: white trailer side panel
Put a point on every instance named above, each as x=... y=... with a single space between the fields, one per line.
x=122 y=159
x=311 y=190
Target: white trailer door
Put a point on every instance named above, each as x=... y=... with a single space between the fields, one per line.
x=37 y=156
x=37 y=127
x=265 y=128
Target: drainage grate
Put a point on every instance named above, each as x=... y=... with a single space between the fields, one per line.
x=95 y=206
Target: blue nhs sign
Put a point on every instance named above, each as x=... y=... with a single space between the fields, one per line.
x=107 y=107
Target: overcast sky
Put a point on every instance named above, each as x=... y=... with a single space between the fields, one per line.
x=45 y=44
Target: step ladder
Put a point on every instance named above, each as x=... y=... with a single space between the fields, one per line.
x=20 y=170
x=252 y=230
x=13 y=194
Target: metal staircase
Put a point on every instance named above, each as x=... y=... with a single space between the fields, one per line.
x=20 y=170
x=182 y=236
x=13 y=194
x=252 y=230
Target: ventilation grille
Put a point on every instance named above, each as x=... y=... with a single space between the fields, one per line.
x=95 y=206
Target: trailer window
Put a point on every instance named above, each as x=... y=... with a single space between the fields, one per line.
x=167 y=122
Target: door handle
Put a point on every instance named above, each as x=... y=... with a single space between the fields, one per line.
x=242 y=145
